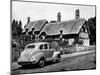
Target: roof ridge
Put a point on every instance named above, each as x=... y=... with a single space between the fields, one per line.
x=67 y=21
x=38 y=20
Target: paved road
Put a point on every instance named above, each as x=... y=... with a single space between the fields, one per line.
x=79 y=60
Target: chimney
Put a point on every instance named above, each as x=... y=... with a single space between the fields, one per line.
x=28 y=20
x=59 y=17
x=77 y=14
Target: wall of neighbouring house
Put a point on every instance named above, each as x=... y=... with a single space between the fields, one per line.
x=71 y=41
x=84 y=37
x=86 y=42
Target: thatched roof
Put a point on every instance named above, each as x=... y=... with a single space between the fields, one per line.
x=68 y=27
x=37 y=25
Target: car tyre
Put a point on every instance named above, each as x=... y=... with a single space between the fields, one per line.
x=58 y=58
x=41 y=62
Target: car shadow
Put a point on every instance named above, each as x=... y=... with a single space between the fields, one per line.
x=36 y=66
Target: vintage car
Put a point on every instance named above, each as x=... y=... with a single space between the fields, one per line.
x=38 y=53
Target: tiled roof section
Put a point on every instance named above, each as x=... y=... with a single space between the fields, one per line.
x=35 y=24
x=68 y=27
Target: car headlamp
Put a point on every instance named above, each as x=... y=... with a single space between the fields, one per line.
x=32 y=59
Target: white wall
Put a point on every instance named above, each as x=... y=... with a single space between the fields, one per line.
x=86 y=42
x=70 y=41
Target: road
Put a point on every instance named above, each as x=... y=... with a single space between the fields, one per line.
x=76 y=61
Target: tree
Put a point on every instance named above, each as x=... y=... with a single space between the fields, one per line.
x=19 y=28
x=16 y=28
x=13 y=27
x=20 y=23
x=13 y=24
x=92 y=28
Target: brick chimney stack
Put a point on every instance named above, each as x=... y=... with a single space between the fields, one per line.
x=77 y=14
x=59 y=17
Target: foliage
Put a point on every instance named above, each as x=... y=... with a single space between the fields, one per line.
x=92 y=28
x=80 y=42
x=54 y=44
x=63 y=44
x=16 y=28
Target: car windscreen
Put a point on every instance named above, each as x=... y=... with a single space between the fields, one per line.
x=30 y=46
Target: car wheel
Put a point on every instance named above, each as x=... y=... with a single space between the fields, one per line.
x=58 y=58
x=41 y=63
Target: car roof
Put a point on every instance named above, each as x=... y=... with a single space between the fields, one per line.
x=38 y=43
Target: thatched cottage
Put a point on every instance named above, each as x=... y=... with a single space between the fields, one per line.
x=73 y=31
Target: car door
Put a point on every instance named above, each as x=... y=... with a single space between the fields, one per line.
x=48 y=52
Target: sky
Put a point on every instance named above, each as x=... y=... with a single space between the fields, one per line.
x=38 y=11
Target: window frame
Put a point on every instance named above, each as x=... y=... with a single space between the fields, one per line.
x=41 y=45
x=49 y=46
x=27 y=47
x=46 y=48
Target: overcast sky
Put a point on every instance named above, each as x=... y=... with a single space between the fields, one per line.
x=37 y=11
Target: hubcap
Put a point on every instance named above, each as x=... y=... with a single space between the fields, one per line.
x=41 y=63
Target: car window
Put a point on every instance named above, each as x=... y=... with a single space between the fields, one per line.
x=41 y=47
x=50 y=47
x=45 y=46
x=30 y=46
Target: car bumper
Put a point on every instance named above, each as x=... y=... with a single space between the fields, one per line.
x=26 y=62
